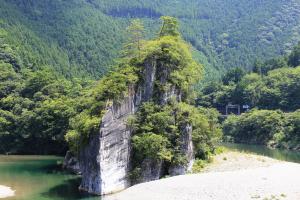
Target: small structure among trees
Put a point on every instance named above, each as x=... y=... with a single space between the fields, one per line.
x=233 y=109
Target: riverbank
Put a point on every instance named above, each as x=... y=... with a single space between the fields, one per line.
x=232 y=176
x=6 y=192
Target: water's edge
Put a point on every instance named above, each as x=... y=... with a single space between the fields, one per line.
x=279 y=154
x=41 y=177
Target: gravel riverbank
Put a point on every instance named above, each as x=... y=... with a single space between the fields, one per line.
x=232 y=176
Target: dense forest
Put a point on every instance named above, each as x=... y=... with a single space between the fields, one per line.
x=82 y=38
x=42 y=111
x=271 y=90
x=58 y=59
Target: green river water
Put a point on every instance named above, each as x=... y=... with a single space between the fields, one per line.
x=41 y=177
x=279 y=154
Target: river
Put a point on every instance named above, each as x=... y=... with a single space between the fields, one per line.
x=41 y=177
x=279 y=154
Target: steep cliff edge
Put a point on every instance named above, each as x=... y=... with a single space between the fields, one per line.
x=105 y=161
x=148 y=128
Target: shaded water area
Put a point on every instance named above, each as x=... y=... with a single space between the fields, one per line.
x=39 y=178
x=279 y=154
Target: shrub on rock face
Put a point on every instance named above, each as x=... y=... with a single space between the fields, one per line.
x=158 y=132
x=152 y=146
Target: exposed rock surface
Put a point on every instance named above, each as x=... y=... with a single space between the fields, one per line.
x=105 y=161
x=186 y=150
x=71 y=163
x=151 y=170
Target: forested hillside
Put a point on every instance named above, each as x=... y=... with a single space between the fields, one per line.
x=271 y=92
x=51 y=49
x=82 y=37
x=41 y=110
x=273 y=84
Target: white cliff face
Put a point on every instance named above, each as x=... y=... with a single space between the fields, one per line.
x=105 y=162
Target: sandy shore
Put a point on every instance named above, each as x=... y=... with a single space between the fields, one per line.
x=6 y=192
x=232 y=176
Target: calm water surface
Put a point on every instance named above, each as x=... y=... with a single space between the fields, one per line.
x=39 y=178
x=279 y=154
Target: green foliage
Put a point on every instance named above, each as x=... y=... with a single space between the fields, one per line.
x=272 y=128
x=294 y=57
x=115 y=85
x=169 y=27
x=82 y=38
x=152 y=146
x=91 y=105
x=40 y=106
x=173 y=57
x=199 y=165
x=158 y=132
x=74 y=38
x=35 y=109
x=256 y=127
x=135 y=39
x=275 y=63
x=233 y=76
x=281 y=89
x=73 y=139
x=276 y=86
x=291 y=138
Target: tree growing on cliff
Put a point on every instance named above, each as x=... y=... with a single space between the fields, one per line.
x=158 y=126
x=170 y=27
x=134 y=43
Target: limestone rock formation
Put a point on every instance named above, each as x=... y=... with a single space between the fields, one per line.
x=105 y=161
x=71 y=163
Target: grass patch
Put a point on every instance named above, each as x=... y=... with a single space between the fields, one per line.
x=199 y=165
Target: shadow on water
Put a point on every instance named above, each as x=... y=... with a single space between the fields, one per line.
x=68 y=190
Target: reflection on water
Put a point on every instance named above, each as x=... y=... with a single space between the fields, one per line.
x=279 y=154
x=39 y=178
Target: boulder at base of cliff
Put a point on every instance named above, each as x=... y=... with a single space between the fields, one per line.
x=71 y=163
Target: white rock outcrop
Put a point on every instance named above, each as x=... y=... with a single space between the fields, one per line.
x=105 y=161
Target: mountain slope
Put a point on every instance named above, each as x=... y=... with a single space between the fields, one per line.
x=82 y=37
